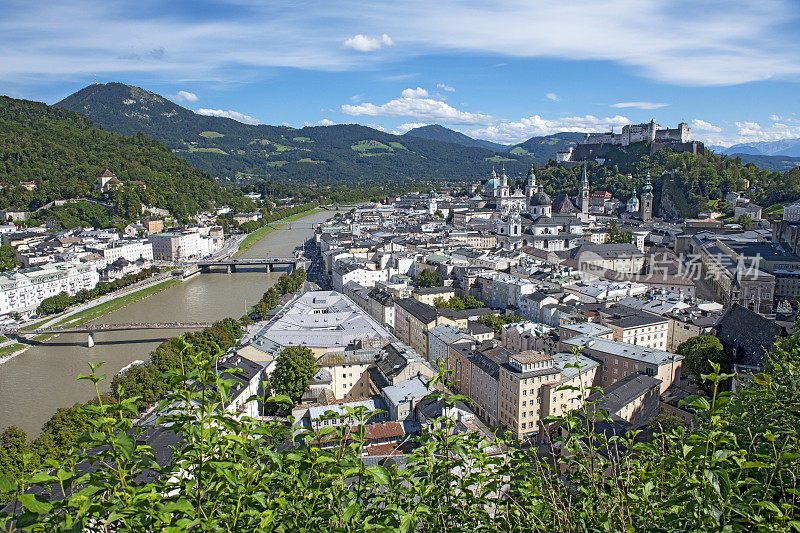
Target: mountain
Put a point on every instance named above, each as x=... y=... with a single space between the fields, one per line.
x=779 y=163
x=544 y=148
x=436 y=132
x=785 y=147
x=345 y=153
x=62 y=153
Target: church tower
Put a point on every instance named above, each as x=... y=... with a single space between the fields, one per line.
x=646 y=205
x=530 y=187
x=504 y=188
x=583 y=193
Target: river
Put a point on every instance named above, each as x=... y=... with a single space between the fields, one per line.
x=43 y=378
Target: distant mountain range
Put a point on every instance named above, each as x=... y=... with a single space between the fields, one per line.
x=344 y=153
x=785 y=147
x=341 y=153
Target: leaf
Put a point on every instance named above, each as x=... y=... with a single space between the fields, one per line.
x=379 y=473
x=351 y=511
x=407 y=523
x=7 y=484
x=34 y=504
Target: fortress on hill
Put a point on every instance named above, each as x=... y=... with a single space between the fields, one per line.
x=597 y=145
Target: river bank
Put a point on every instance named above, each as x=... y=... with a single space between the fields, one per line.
x=42 y=379
x=262 y=232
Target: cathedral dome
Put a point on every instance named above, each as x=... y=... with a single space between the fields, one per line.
x=540 y=199
x=493 y=183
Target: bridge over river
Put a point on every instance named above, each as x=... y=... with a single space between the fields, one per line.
x=91 y=329
x=269 y=263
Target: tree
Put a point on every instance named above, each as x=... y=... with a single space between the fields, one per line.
x=439 y=302
x=496 y=322
x=470 y=302
x=295 y=367
x=619 y=237
x=8 y=258
x=745 y=221
x=13 y=447
x=429 y=278
x=438 y=214
x=699 y=352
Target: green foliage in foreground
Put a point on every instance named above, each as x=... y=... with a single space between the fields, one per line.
x=737 y=471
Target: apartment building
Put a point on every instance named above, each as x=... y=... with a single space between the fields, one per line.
x=484 y=381
x=641 y=329
x=21 y=291
x=412 y=321
x=528 y=389
x=176 y=246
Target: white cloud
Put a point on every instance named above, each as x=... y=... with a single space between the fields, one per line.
x=322 y=122
x=416 y=103
x=702 y=125
x=235 y=115
x=419 y=92
x=746 y=41
x=186 y=96
x=552 y=96
x=445 y=87
x=639 y=105
x=362 y=43
x=403 y=128
x=525 y=128
x=774 y=118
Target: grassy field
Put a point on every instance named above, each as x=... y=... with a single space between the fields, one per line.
x=262 y=232
x=363 y=146
x=11 y=348
x=497 y=159
x=211 y=134
x=207 y=150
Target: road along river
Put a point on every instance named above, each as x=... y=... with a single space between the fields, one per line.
x=43 y=378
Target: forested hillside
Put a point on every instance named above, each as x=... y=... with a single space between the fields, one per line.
x=62 y=153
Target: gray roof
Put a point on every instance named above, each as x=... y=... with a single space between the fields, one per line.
x=407 y=390
x=615 y=397
x=623 y=349
x=746 y=335
x=322 y=319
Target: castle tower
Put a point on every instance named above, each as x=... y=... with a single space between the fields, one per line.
x=583 y=193
x=530 y=187
x=646 y=205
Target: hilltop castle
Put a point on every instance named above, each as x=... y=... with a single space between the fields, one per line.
x=597 y=145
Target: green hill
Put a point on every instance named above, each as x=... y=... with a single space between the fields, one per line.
x=62 y=153
x=325 y=154
x=545 y=147
x=436 y=132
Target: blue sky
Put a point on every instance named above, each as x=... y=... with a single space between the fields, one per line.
x=503 y=70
